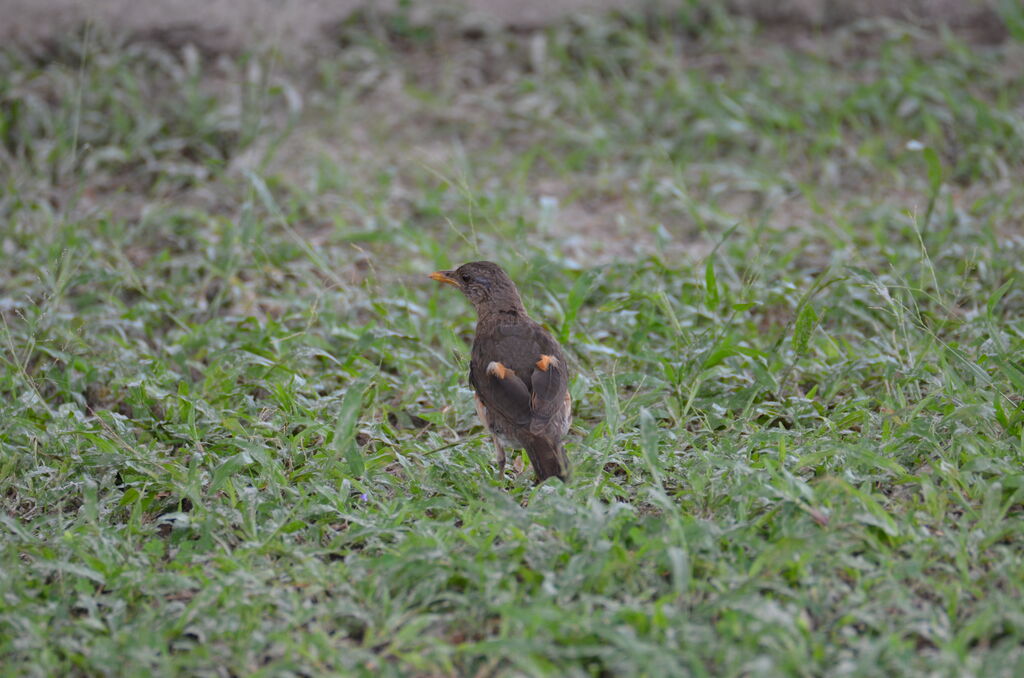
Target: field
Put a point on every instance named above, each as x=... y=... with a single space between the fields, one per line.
x=236 y=436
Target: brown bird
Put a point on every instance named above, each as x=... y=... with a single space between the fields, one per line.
x=517 y=370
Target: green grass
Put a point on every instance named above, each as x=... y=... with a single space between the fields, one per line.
x=235 y=432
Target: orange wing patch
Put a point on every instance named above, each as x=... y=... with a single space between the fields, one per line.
x=496 y=369
x=546 y=361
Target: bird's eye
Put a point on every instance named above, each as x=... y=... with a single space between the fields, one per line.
x=465 y=277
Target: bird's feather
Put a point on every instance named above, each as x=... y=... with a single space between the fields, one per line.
x=508 y=396
x=547 y=402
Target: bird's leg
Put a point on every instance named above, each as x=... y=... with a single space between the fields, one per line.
x=499 y=453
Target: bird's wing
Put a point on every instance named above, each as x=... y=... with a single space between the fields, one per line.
x=550 y=381
x=502 y=391
x=529 y=396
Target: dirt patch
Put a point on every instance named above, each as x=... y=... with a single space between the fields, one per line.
x=295 y=26
x=292 y=26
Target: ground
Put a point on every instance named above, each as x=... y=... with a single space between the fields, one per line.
x=297 y=26
x=235 y=431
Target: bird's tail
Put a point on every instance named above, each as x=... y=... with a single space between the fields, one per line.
x=548 y=458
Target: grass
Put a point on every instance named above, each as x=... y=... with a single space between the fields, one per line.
x=235 y=432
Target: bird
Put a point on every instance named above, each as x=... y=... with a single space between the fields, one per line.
x=517 y=370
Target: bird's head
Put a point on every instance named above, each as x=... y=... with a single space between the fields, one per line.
x=485 y=284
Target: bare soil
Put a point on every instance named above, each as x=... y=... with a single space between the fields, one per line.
x=294 y=26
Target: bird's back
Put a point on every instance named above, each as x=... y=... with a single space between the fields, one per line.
x=519 y=344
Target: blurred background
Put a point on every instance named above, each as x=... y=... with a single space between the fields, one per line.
x=300 y=24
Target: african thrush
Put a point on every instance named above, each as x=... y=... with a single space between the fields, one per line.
x=517 y=371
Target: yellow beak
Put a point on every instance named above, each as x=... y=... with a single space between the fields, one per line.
x=445 y=277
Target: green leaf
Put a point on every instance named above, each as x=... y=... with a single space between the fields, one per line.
x=934 y=169
x=1010 y=371
x=805 y=323
x=130 y=496
x=649 y=443
x=577 y=295
x=666 y=307
x=874 y=513
x=154 y=547
x=345 y=428
x=226 y=470
x=293 y=526
x=726 y=349
x=996 y=297
x=710 y=285
x=679 y=563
